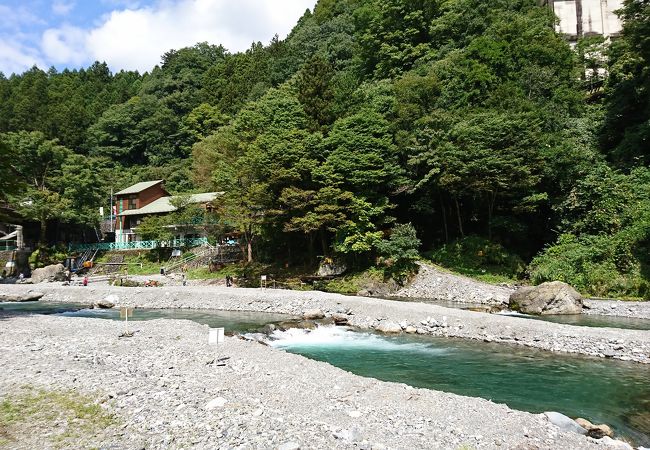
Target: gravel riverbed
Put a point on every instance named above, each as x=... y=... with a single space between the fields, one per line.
x=371 y=313
x=433 y=283
x=618 y=308
x=164 y=391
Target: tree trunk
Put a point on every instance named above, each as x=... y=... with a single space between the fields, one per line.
x=444 y=219
x=43 y=232
x=311 y=248
x=323 y=241
x=460 y=221
x=491 y=200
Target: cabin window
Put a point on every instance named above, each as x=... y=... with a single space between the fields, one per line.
x=132 y=199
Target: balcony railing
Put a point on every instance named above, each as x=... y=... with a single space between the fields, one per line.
x=139 y=245
x=7 y=244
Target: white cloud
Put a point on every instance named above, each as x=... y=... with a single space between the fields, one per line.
x=62 y=8
x=135 y=39
x=16 y=58
x=15 y=18
x=65 y=45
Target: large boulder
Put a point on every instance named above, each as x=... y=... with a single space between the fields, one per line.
x=106 y=303
x=564 y=423
x=389 y=327
x=552 y=297
x=29 y=296
x=330 y=268
x=55 y=272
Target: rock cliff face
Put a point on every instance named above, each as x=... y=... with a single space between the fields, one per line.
x=548 y=298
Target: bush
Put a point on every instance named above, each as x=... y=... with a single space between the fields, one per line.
x=400 y=252
x=46 y=256
x=603 y=265
x=480 y=258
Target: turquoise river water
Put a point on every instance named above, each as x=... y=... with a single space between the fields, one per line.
x=603 y=391
x=582 y=320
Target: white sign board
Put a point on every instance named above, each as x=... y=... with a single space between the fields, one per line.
x=263 y=277
x=216 y=336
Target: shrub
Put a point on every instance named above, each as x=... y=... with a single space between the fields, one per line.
x=400 y=252
x=480 y=258
x=603 y=265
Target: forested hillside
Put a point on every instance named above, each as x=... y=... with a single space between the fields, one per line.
x=473 y=121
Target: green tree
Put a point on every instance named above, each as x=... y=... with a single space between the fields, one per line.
x=315 y=91
x=627 y=128
x=140 y=131
x=400 y=251
x=394 y=34
x=489 y=155
x=37 y=162
x=83 y=188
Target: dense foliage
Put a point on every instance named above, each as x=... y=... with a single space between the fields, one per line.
x=473 y=121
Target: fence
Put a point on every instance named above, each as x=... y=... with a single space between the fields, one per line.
x=7 y=244
x=139 y=245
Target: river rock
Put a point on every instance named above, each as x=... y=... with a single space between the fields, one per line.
x=351 y=435
x=104 y=304
x=313 y=314
x=389 y=327
x=553 y=297
x=29 y=296
x=340 y=319
x=332 y=268
x=616 y=444
x=410 y=329
x=216 y=403
x=564 y=423
x=595 y=431
x=306 y=325
x=108 y=302
x=268 y=328
x=55 y=272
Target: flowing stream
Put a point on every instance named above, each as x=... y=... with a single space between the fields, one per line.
x=582 y=320
x=232 y=321
x=603 y=391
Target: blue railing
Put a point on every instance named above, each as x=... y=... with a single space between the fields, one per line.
x=139 y=245
x=7 y=244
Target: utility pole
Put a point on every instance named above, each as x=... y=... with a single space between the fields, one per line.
x=111 y=215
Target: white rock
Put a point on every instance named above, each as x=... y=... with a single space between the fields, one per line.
x=389 y=327
x=216 y=403
x=351 y=435
x=564 y=423
x=615 y=443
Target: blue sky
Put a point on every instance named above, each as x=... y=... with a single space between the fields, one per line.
x=132 y=34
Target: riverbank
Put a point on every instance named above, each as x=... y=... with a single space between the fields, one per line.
x=161 y=390
x=617 y=308
x=434 y=283
x=370 y=313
